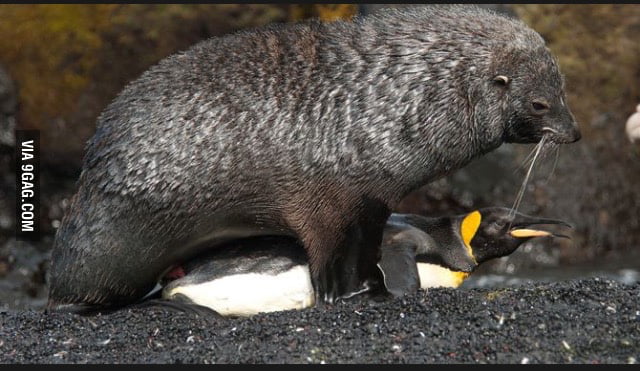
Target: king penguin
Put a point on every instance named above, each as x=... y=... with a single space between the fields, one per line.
x=272 y=274
x=424 y=252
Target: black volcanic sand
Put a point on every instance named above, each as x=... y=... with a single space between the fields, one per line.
x=579 y=321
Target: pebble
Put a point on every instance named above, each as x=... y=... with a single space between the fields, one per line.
x=456 y=325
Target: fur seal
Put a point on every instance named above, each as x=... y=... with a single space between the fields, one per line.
x=262 y=275
x=312 y=130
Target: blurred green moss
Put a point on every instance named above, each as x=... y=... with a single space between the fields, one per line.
x=50 y=50
x=325 y=12
x=69 y=61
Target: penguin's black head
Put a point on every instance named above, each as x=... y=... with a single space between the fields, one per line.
x=499 y=232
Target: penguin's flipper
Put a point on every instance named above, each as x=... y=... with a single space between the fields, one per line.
x=399 y=269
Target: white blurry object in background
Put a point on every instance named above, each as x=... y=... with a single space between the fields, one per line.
x=633 y=126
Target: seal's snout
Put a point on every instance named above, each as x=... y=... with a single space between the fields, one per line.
x=573 y=134
x=565 y=134
x=569 y=128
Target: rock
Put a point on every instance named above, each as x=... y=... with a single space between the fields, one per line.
x=8 y=109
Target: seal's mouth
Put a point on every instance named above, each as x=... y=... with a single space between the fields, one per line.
x=570 y=136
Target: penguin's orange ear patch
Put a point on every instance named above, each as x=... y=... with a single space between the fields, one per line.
x=469 y=227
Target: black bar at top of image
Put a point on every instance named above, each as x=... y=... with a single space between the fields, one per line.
x=27 y=168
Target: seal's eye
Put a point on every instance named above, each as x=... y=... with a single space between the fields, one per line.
x=539 y=107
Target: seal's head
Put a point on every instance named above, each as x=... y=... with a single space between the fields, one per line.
x=480 y=75
x=533 y=86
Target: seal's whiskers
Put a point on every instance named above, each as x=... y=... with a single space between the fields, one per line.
x=538 y=149
x=556 y=147
x=527 y=160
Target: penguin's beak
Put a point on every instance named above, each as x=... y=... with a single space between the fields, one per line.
x=521 y=227
x=524 y=233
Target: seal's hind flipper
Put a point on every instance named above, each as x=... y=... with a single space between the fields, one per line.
x=180 y=303
x=77 y=308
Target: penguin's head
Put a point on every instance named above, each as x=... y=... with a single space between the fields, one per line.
x=419 y=251
x=495 y=232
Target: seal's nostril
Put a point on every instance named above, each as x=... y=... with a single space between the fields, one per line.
x=576 y=135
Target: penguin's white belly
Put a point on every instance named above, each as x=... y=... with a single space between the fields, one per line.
x=432 y=275
x=252 y=293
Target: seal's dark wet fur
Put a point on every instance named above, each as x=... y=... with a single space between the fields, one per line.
x=313 y=130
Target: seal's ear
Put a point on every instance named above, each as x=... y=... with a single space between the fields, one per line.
x=501 y=80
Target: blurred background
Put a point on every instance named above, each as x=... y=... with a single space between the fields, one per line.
x=60 y=65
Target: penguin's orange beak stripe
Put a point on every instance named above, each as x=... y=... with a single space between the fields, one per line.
x=523 y=233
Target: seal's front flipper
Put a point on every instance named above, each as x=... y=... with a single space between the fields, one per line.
x=324 y=287
x=340 y=283
x=353 y=271
x=338 y=278
x=399 y=269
